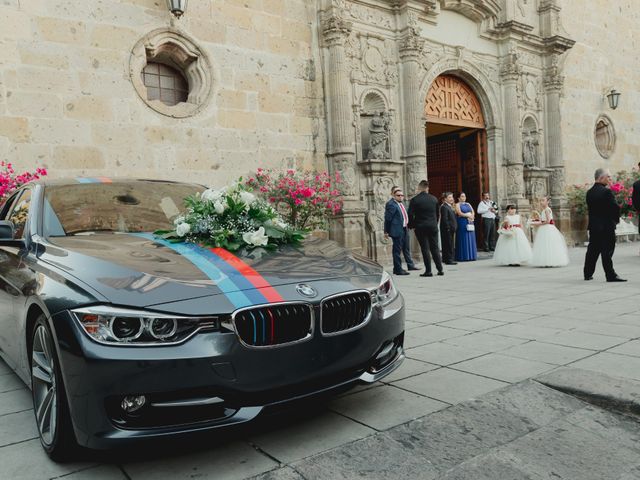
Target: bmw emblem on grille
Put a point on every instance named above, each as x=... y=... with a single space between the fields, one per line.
x=306 y=291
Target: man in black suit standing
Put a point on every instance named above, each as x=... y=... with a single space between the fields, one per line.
x=406 y=247
x=604 y=214
x=423 y=217
x=396 y=221
x=635 y=197
x=448 y=227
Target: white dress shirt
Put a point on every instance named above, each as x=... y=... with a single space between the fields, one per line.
x=484 y=209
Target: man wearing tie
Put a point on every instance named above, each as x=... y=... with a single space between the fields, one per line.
x=448 y=227
x=395 y=226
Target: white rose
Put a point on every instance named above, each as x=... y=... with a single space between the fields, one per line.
x=178 y=220
x=219 y=207
x=276 y=222
x=247 y=198
x=211 y=195
x=182 y=229
x=257 y=238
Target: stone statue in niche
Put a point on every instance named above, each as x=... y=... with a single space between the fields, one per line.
x=379 y=136
x=530 y=150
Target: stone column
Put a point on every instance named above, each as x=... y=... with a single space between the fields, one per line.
x=414 y=146
x=553 y=83
x=510 y=73
x=348 y=227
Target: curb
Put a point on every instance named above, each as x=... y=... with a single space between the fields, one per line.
x=605 y=391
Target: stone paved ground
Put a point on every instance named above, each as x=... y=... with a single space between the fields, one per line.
x=478 y=329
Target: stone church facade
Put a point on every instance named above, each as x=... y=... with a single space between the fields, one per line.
x=506 y=96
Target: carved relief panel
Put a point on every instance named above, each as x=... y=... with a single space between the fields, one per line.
x=371 y=59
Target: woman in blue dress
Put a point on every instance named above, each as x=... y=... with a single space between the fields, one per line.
x=466 y=249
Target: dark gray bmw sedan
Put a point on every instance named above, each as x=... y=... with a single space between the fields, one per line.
x=123 y=336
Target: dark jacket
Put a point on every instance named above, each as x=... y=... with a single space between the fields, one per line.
x=393 y=221
x=635 y=197
x=423 y=211
x=448 y=220
x=604 y=211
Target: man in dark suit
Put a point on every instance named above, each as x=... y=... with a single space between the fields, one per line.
x=635 y=197
x=406 y=247
x=604 y=214
x=396 y=221
x=423 y=217
x=448 y=227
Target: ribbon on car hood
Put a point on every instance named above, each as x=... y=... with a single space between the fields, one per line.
x=240 y=283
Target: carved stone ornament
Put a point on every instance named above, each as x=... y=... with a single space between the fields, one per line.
x=553 y=80
x=335 y=29
x=474 y=9
x=367 y=15
x=347 y=173
x=515 y=181
x=381 y=194
x=510 y=69
x=411 y=46
x=557 y=182
x=371 y=60
x=416 y=172
x=172 y=46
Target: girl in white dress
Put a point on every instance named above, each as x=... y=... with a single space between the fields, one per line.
x=513 y=247
x=549 y=246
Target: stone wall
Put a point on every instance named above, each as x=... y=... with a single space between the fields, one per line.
x=605 y=55
x=67 y=100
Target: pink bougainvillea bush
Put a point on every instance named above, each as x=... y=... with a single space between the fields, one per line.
x=9 y=180
x=622 y=189
x=305 y=199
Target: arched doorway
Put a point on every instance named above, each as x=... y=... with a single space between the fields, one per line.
x=456 y=140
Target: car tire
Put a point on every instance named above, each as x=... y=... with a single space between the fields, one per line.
x=50 y=404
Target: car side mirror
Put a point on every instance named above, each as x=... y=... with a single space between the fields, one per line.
x=7 y=230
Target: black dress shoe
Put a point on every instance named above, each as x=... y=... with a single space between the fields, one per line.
x=428 y=274
x=440 y=273
x=413 y=268
x=450 y=263
x=616 y=279
x=588 y=278
x=402 y=272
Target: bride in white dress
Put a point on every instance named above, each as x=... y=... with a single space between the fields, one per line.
x=513 y=247
x=549 y=246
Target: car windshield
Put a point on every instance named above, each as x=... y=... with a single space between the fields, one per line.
x=119 y=207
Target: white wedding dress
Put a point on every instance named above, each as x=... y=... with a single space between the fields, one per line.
x=549 y=247
x=513 y=247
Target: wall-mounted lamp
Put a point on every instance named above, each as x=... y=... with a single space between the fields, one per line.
x=177 y=7
x=614 y=98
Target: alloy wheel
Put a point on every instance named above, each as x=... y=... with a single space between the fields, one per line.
x=43 y=378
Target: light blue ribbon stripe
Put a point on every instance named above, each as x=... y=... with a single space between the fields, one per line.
x=194 y=254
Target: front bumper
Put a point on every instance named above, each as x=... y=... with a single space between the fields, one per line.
x=212 y=381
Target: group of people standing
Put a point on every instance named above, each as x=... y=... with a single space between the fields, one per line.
x=453 y=223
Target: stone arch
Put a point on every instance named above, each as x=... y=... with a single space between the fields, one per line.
x=478 y=81
x=482 y=86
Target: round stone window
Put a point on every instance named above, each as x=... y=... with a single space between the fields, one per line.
x=605 y=136
x=170 y=73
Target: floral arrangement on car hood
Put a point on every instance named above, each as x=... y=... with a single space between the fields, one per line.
x=231 y=218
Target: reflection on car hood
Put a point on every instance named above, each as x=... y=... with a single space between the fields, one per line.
x=142 y=270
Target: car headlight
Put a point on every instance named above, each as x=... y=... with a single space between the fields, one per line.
x=386 y=291
x=119 y=326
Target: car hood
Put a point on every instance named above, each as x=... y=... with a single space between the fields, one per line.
x=142 y=270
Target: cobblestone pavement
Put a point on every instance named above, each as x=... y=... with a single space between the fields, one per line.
x=478 y=329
